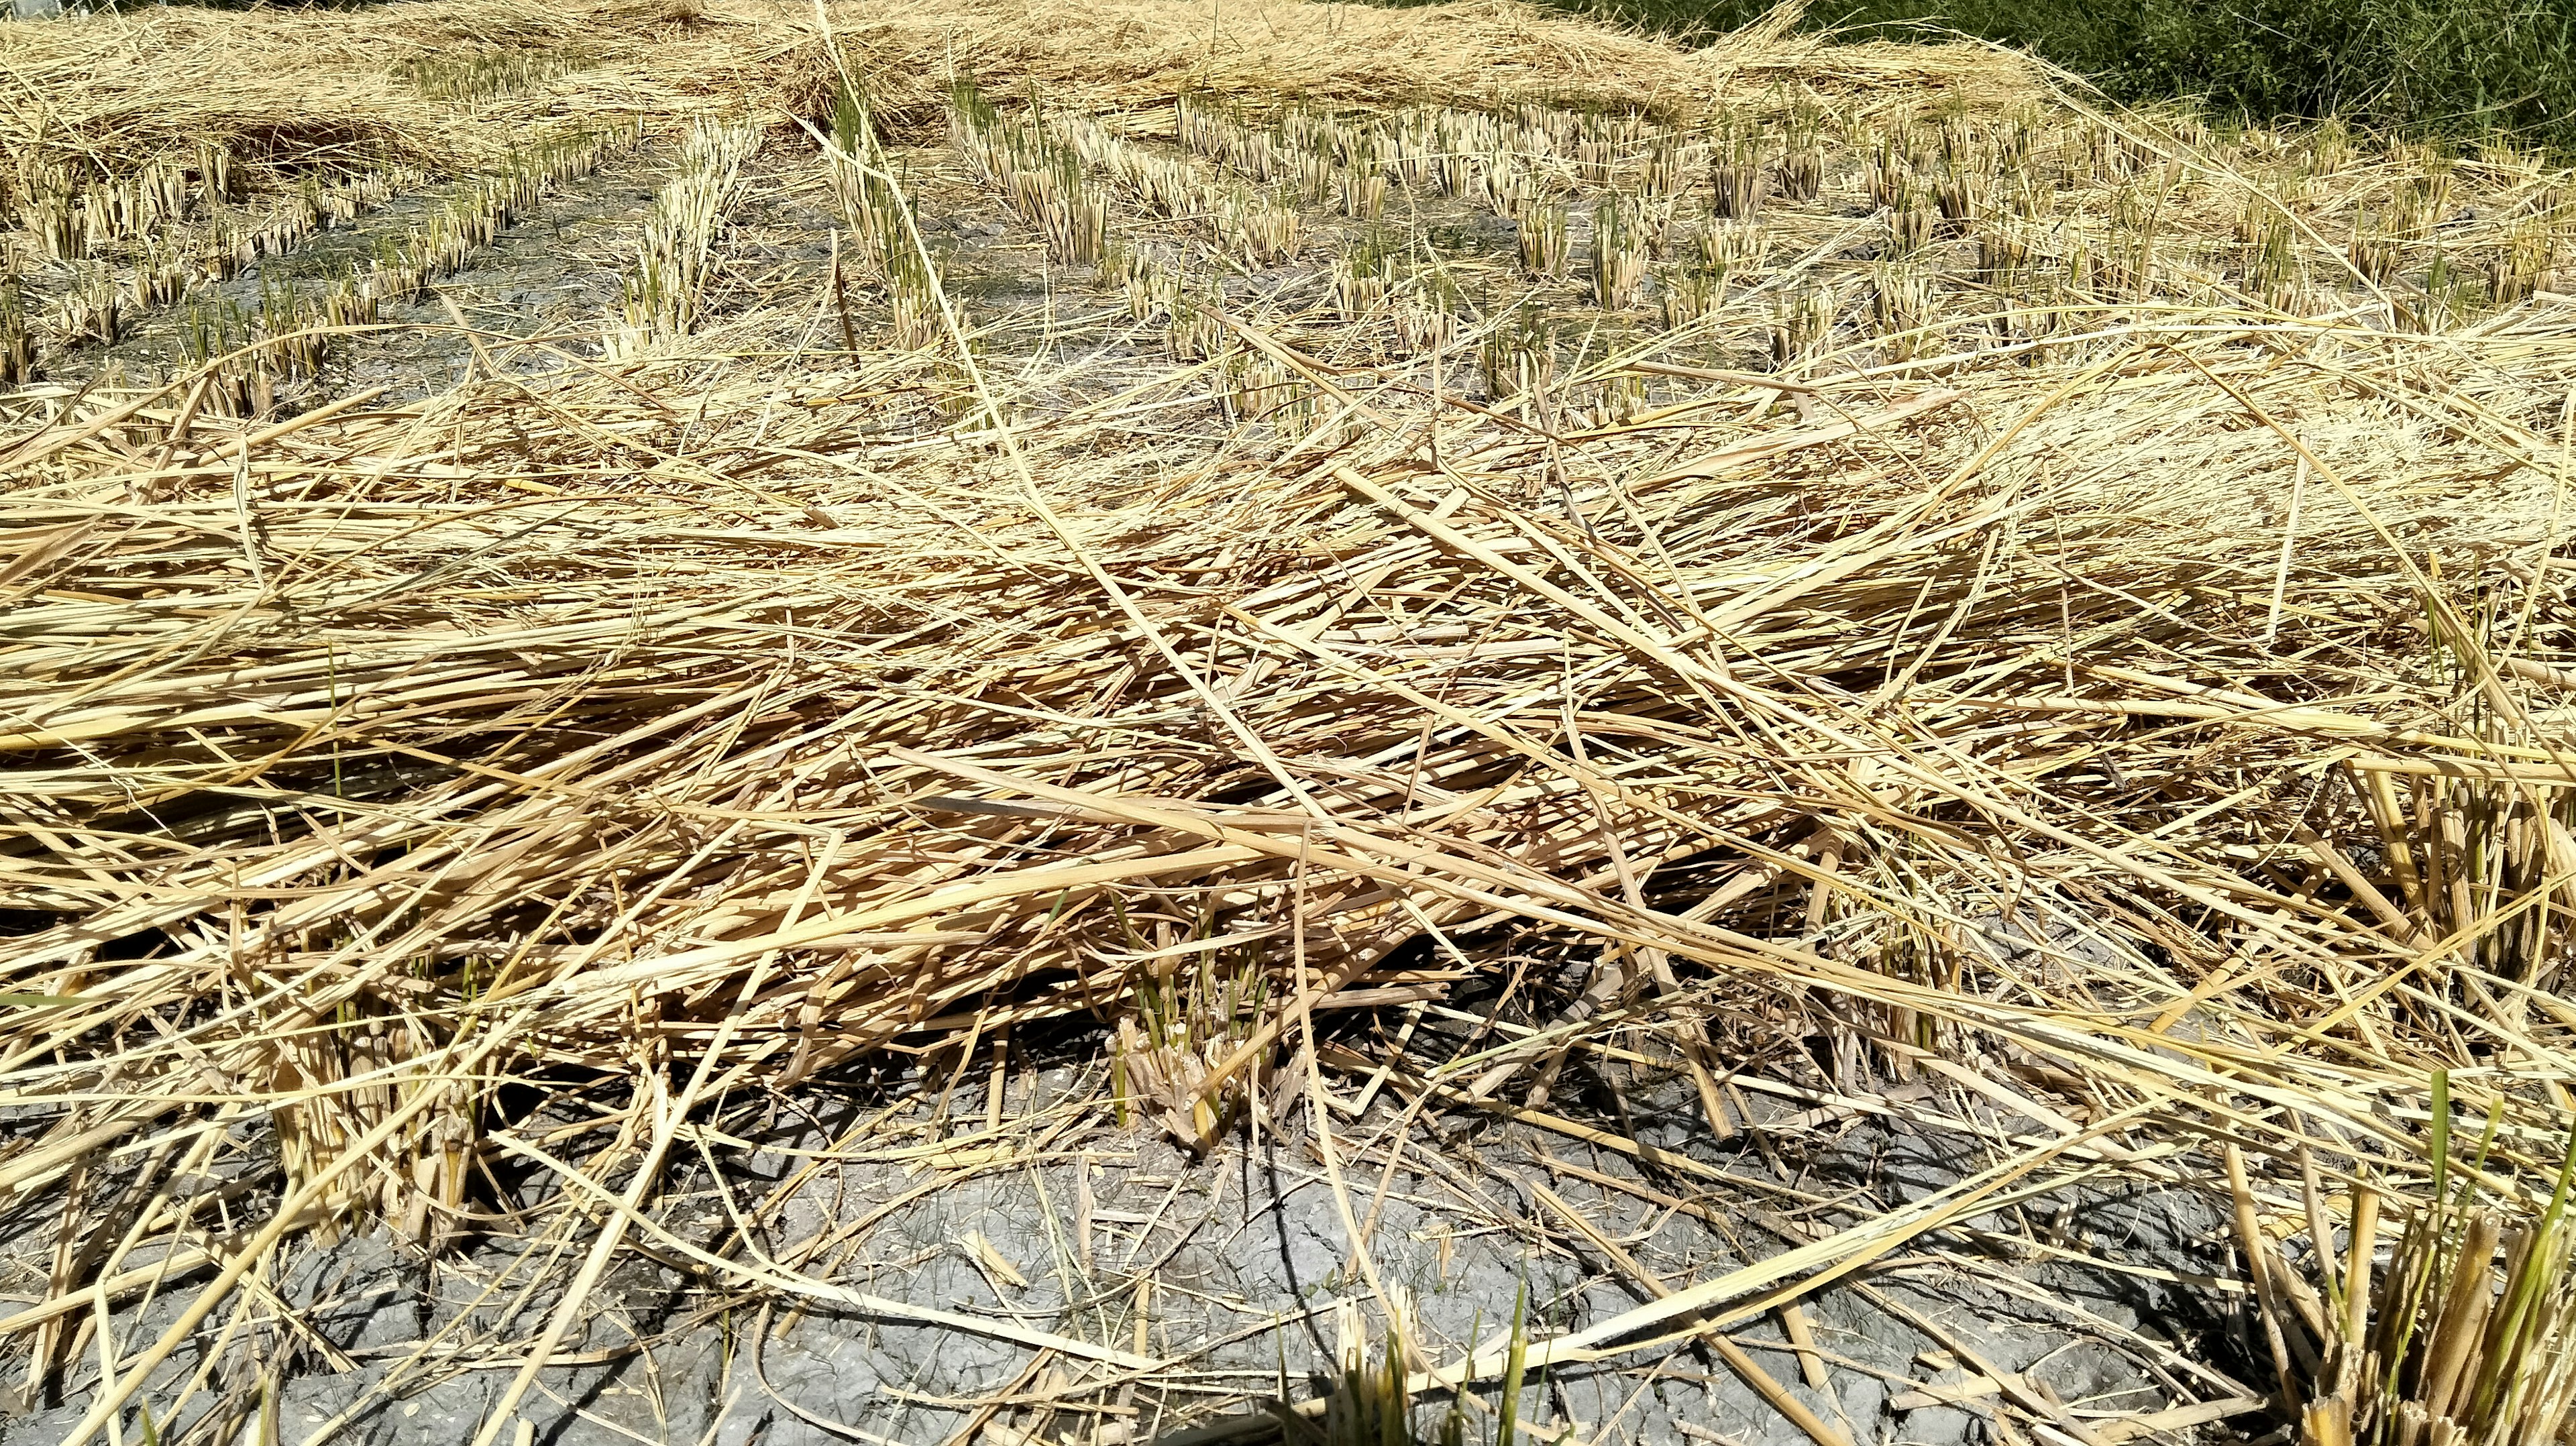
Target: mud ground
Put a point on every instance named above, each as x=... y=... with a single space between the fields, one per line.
x=1234 y=1265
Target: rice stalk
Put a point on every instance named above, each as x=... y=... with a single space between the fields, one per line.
x=2129 y=247
x=1264 y=230
x=2329 y=147
x=676 y=257
x=1911 y=219
x=2376 y=247
x=1217 y=130
x=45 y=214
x=1372 y=1402
x=1731 y=248
x=1541 y=232
x=1964 y=197
x=1362 y=192
x=2527 y=262
x=1802 y=325
x=1667 y=168
x=2272 y=266
x=1193 y=328
x=2004 y=249
x=1518 y=359
x=1736 y=177
x=17 y=349
x=216 y=182
x=1802 y=152
x=1363 y=272
x=1902 y=310
x=1888 y=180
x=1043 y=178
x=93 y=311
x=1413 y=152
x=1426 y=313
x=2445 y=1343
x=870 y=202
x=1618 y=257
x=1687 y=293
x=487 y=74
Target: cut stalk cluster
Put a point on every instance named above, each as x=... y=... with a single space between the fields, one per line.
x=1543 y=130
x=1541 y=230
x=1735 y=173
x=1725 y=248
x=1193 y=330
x=1171 y=1045
x=483 y=75
x=1314 y=177
x=93 y=311
x=1614 y=401
x=1415 y=144
x=294 y=349
x=1686 y=293
x=1963 y=197
x=1362 y=274
x=1504 y=185
x=162 y=270
x=17 y=348
x=162 y=273
x=1161 y=186
x=2467 y=1336
x=1901 y=309
x=1802 y=323
x=216 y=337
x=1220 y=133
x=913 y=295
x=2005 y=245
x=1261 y=389
x=1044 y=179
x=1910 y=216
x=1518 y=358
x=675 y=260
x=1668 y=168
x=1618 y=256
x=1889 y=180
x=1458 y=138
x=49 y=221
x=472 y=219
x=2129 y=245
x=1264 y=229
x=218 y=182
x=1363 y=193
x=871 y=205
x=69 y=217
x=1426 y=313
x=877 y=213
x=1595 y=160
x=2033 y=313
x=1802 y=151
x=2329 y=147
x=2375 y=247
x=1343 y=163
x=2527 y=261
x=2428 y=196
x=2269 y=256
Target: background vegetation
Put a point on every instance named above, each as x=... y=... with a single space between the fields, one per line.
x=2454 y=67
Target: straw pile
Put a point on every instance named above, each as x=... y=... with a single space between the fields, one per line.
x=2169 y=593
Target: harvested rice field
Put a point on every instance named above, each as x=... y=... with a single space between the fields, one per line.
x=1153 y=722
